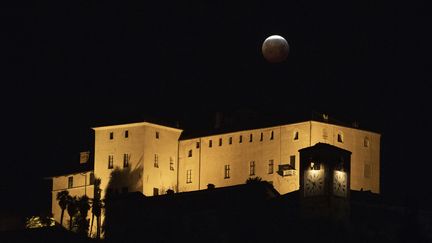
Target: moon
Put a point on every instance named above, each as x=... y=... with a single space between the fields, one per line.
x=275 y=49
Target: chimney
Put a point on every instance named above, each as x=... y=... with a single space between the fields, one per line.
x=84 y=157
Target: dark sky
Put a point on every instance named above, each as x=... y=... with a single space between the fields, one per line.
x=72 y=65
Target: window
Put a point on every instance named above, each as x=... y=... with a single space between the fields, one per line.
x=252 y=168
x=171 y=163
x=110 y=161
x=189 y=176
x=230 y=140
x=250 y=138
x=126 y=158
x=155 y=191
x=92 y=178
x=367 y=171
x=190 y=153
x=271 y=166
x=296 y=135
x=197 y=145
x=210 y=143
x=156 y=161
x=111 y=136
x=240 y=139
x=70 y=181
x=366 y=142
x=157 y=135
x=227 y=171
x=125 y=189
x=261 y=137
x=340 y=137
x=292 y=161
x=220 y=141
x=271 y=135
x=126 y=134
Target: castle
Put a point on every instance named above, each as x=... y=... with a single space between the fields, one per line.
x=154 y=159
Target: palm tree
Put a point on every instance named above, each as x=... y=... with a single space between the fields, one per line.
x=72 y=209
x=97 y=206
x=83 y=205
x=62 y=198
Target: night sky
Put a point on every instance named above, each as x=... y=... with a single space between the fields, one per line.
x=73 y=65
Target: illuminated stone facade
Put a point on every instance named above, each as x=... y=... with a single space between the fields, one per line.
x=152 y=158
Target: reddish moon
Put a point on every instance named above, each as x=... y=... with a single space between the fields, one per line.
x=275 y=49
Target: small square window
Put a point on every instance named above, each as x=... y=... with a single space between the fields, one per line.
x=197 y=145
x=296 y=135
x=230 y=140
x=157 y=135
x=250 y=138
x=240 y=139
x=190 y=153
x=210 y=143
x=220 y=141
x=366 y=142
x=261 y=137
x=111 y=136
x=272 y=135
x=340 y=138
x=126 y=134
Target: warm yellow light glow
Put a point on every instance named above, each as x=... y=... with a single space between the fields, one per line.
x=312 y=165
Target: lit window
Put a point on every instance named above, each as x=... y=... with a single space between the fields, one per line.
x=171 y=163
x=190 y=153
x=157 y=135
x=262 y=136
x=230 y=140
x=252 y=168
x=110 y=161
x=250 y=138
x=111 y=136
x=220 y=141
x=271 y=166
x=271 y=135
x=240 y=139
x=340 y=138
x=126 y=134
x=296 y=135
x=210 y=143
x=156 y=161
x=70 y=181
x=366 y=142
x=292 y=161
x=197 y=145
x=227 y=171
x=189 y=176
x=126 y=158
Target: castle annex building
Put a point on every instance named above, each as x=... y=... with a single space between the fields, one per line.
x=153 y=159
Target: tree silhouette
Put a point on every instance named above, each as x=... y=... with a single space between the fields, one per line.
x=62 y=198
x=97 y=205
x=83 y=205
x=72 y=209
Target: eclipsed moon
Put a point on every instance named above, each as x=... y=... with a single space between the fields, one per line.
x=275 y=49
